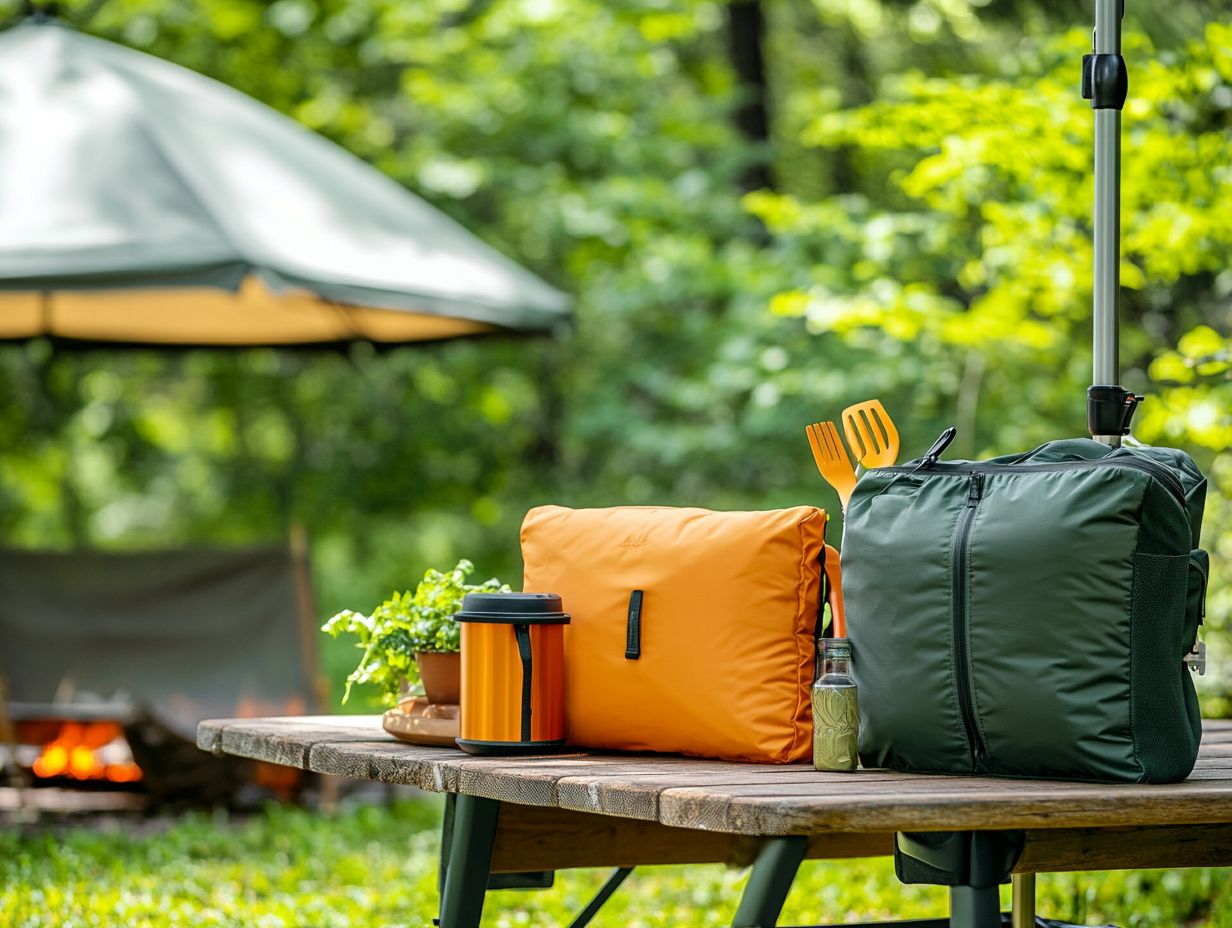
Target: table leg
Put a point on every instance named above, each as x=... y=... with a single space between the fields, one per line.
x=975 y=907
x=470 y=860
x=771 y=879
x=1022 y=908
x=619 y=875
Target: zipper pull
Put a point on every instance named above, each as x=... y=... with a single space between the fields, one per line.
x=975 y=490
x=978 y=757
x=942 y=442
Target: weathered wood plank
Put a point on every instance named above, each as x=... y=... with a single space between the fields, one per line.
x=546 y=838
x=616 y=785
x=1215 y=755
x=387 y=761
x=1216 y=730
x=537 y=784
x=539 y=781
x=1059 y=849
x=736 y=798
x=282 y=741
x=972 y=805
x=638 y=797
x=307 y=728
x=274 y=746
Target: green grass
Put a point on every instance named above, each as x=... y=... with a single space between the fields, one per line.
x=374 y=866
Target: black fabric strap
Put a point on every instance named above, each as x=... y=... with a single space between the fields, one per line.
x=523 y=635
x=633 y=632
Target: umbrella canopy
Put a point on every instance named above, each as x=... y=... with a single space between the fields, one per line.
x=141 y=202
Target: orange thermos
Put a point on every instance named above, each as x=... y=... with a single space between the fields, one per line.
x=513 y=673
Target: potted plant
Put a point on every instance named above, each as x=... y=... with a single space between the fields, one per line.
x=413 y=637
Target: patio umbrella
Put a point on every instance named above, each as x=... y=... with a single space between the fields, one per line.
x=141 y=202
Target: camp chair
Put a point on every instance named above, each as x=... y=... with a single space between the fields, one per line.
x=156 y=641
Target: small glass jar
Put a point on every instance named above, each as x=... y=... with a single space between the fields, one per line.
x=836 y=716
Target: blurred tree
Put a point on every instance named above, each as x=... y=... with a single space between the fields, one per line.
x=976 y=257
x=746 y=32
x=937 y=247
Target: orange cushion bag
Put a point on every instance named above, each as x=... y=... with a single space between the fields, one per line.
x=692 y=631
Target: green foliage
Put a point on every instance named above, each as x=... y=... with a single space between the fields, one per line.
x=935 y=241
x=981 y=243
x=377 y=866
x=931 y=248
x=969 y=251
x=405 y=624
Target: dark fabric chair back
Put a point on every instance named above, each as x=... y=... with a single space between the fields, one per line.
x=186 y=634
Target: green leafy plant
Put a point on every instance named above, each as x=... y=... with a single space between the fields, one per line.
x=406 y=623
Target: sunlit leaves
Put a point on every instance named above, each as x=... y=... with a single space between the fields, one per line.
x=996 y=174
x=404 y=624
x=978 y=252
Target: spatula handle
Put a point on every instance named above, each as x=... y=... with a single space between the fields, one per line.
x=834 y=576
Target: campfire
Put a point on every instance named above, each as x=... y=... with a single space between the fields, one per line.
x=87 y=751
x=112 y=658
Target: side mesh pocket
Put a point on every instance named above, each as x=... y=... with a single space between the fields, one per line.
x=1195 y=613
x=1195 y=602
x=1163 y=706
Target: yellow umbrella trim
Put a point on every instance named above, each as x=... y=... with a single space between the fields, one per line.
x=208 y=316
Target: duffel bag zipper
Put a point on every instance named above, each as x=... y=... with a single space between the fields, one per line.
x=1158 y=471
x=962 y=669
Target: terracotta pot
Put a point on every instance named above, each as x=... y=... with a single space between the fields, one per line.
x=441 y=675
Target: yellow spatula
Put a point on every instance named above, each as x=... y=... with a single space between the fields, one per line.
x=831 y=458
x=871 y=434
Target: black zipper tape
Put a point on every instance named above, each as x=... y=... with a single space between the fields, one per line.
x=1158 y=471
x=961 y=632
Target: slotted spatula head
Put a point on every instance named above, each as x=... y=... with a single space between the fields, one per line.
x=832 y=460
x=871 y=434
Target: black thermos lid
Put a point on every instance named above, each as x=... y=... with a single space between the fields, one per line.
x=513 y=609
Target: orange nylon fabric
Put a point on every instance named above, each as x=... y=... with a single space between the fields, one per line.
x=492 y=683
x=728 y=617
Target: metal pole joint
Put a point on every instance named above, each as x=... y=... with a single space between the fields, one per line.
x=1110 y=409
x=1105 y=81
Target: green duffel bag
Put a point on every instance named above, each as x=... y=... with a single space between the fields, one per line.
x=1028 y=615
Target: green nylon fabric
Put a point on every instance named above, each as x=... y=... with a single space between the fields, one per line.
x=121 y=170
x=1033 y=625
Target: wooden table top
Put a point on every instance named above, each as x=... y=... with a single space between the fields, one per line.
x=750 y=799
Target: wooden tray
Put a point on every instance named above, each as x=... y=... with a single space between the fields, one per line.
x=421 y=722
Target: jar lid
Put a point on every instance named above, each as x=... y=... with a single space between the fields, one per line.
x=513 y=609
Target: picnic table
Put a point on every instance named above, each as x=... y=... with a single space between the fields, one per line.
x=515 y=821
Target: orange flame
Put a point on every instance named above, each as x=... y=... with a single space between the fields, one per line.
x=78 y=751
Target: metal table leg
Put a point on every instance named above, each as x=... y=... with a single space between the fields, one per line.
x=1022 y=908
x=975 y=907
x=470 y=861
x=771 y=879
x=619 y=875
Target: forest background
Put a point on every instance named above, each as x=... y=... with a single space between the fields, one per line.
x=764 y=210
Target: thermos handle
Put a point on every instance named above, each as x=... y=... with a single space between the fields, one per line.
x=522 y=632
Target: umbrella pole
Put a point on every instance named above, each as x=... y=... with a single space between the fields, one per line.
x=1105 y=83
x=1107 y=207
